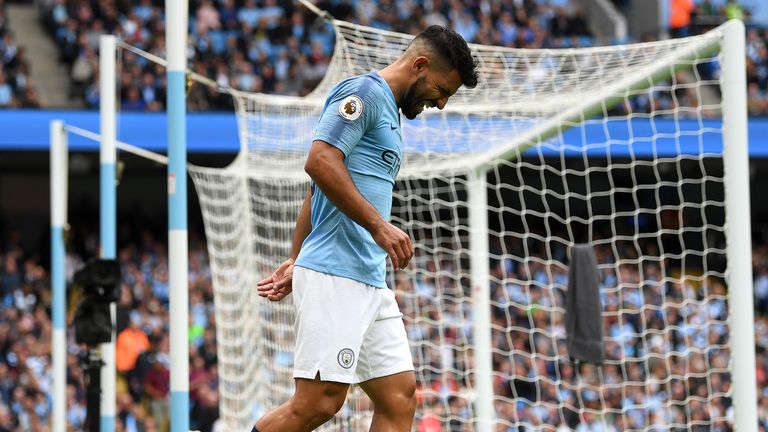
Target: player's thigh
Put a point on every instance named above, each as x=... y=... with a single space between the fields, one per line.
x=385 y=349
x=332 y=316
x=385 y=369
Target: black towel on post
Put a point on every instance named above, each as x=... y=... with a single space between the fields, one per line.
x=583 y=317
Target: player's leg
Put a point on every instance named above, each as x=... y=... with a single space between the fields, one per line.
x=385 y=369
x=394 y=401
x=314 y=403
x=332 y=316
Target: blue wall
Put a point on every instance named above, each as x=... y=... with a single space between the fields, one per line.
x=206 y=133
x=217 y=133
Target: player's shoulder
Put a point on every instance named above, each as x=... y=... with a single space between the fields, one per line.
x=355 y=96
x=367 y=86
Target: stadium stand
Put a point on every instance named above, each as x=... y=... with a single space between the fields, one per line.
x=142 y=343
x=142 y=321
x=273 y=46
x=757 y=71
x=16 y=88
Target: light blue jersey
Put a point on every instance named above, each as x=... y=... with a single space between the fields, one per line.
x=361 y=119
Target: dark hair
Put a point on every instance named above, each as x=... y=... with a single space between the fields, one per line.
x=453 y=49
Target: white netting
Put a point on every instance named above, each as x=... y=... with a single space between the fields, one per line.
x=639 y=173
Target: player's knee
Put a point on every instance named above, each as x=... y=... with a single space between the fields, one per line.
x=409 y=398
x=316 y=402
x=327 y=407
x=317 y=410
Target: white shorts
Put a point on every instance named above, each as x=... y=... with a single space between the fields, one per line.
x=347 y=331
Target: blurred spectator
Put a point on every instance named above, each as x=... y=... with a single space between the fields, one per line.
x=143 y=385
x=6 y=92
x=131 y=342
x=203 y=393
x=275 y=46
x=76 y=412
x=680 y=12
x=638 y=301
x=734 y=10
x=83 y=70
x=207 y=17
x=16 y=88
x=157 y=384
x=708 y=15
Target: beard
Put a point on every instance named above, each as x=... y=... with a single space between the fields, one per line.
x=412 y=103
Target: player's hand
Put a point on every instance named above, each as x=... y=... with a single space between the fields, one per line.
x=395 y=243
x=279 y=285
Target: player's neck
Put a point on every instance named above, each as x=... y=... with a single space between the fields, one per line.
x=395 y=78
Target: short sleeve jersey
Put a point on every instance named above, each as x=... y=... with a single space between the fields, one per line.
x=361 y=119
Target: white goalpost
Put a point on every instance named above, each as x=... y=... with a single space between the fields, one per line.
x=739 y=235
x=632 y=145
x=639 y=150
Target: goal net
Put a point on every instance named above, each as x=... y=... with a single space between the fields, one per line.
x=620 y=147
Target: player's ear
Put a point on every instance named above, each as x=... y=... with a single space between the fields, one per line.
x=420 y=63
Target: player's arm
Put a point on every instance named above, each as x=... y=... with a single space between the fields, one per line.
x=325 y=165
x=279 y=284
x=303 y=225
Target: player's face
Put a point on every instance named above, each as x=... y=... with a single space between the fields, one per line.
x=431 y=89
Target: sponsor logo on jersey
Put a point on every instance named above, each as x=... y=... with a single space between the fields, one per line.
x=351 y=107
x=392 y=160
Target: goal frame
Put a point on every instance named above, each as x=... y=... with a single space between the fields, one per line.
x=738 y=224
x=738 y=228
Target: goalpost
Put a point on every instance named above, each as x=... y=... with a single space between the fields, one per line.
x=630 y=148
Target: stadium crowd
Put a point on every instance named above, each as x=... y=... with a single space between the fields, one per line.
x=142 y=343
x=648 y=319
x=16 y=88
x=276 y=46
x=273 y=46
x=666 y=343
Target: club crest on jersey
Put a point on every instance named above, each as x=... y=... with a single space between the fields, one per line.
x=351 y=107
x=346 y=358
